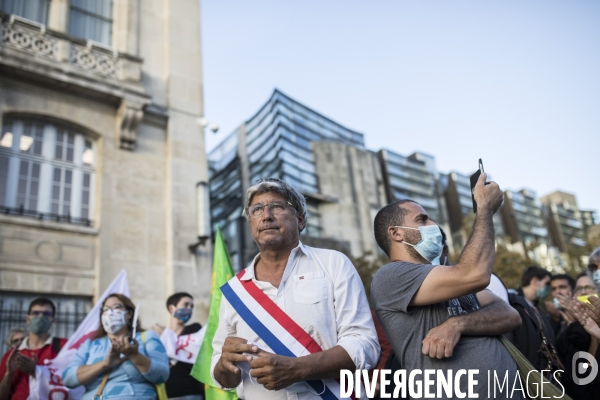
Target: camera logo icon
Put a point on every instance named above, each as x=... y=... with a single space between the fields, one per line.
x=580 y=368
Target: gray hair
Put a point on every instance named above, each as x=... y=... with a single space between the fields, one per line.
x=13 y=330
x=274 y=185
x=595 y=257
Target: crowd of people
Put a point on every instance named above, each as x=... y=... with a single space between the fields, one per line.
x=298 y=315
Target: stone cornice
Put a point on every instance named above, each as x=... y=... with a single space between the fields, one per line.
x=29 y=51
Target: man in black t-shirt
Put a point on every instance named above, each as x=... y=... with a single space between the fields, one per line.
x=181 y=385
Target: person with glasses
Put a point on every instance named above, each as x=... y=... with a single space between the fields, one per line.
x=574 y=339
x=16 y=336
x=315 y=292
x=18 y=364
x=112 y=364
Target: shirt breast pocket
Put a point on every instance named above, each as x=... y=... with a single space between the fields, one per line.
x=310 y=288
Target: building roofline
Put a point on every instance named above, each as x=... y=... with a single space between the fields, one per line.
x=277 y=91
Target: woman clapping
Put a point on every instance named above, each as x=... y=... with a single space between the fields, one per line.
x=113 y=364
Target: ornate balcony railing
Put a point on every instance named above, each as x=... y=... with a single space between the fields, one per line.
x=21 y=211
x=33 y=38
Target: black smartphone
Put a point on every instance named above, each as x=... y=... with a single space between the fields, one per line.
x=474 y=179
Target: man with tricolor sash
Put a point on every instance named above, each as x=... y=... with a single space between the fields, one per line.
x=296 y=316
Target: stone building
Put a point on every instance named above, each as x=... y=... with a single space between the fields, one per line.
x=100 y=154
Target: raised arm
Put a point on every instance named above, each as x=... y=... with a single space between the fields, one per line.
x=495 y=317
x=474 y=268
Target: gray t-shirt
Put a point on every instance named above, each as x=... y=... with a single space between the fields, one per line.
x=392 y=289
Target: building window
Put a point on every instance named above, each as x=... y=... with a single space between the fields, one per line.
x=91 y=19
x=46 y=171
x=35 y=10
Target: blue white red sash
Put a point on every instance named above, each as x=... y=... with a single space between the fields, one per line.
x=281 y=333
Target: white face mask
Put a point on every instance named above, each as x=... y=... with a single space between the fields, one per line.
x=113 y=320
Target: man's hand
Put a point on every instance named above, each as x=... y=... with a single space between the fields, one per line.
x=11 y=362
x=440 y=341
x=488 y=196
x=26 y=364
x=593 y=309
x=588 y=318
x=233 y=349
x=274 y=372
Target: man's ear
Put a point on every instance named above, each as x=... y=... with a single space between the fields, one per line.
x=301 y=222
x=396 y=234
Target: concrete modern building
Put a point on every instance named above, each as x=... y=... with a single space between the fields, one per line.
x=415 y=177
x=526 y=228
x=100 y=154
x=523 y=218
x=457 y=193
x=590 y=219
x=278 y=142
x=352 y=178
x=564 y=220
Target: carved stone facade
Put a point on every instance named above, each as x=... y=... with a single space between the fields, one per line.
x=133 y=105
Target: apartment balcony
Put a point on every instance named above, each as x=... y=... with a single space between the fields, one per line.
x=28 y=49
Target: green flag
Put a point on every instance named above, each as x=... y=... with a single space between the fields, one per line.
x=222 y=272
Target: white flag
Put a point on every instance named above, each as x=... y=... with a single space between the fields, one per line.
x=184 y=348
x=47 y=384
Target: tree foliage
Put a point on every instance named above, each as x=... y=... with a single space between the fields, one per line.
x=509 y=266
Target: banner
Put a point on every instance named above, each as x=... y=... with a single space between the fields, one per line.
x=184 y=348
x=222 y=272
x=47 y=384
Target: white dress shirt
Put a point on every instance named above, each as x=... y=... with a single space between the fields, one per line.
x=322 y=292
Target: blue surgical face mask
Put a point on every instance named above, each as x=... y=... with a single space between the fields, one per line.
x=556 y=303
x=596 y=277
x=543 y=292
x=183 y=314
x=439 y=260
x=430 y=246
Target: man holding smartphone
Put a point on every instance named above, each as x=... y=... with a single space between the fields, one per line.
x=441 y=317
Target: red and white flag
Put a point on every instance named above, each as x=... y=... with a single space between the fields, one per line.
x=184 y=348
x=47 y=384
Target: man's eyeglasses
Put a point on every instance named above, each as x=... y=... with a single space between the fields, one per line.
x=36 y=313
x=579 y=289
x=275 y=208
x=592 y=267
x=115 y=307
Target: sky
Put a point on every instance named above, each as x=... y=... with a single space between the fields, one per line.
x=514 y=83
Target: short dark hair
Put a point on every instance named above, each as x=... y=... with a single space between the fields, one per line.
x=390 y=215
x=565 y=277
x=533 y=272
x=174 y=299
x=443 y=236
x=42 y=301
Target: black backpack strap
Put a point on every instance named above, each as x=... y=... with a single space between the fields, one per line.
x=56 y=344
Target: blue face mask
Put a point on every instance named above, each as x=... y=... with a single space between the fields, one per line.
x=183 y=314
x=439 y=260
x=430 y=246
x=596 y=277
x=543 y=292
